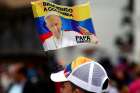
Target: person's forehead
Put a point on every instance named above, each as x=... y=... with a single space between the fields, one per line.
x=66 y=83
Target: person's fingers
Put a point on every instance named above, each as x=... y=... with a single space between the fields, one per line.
x=94 y=39
x=82 y=28
x=84 y=31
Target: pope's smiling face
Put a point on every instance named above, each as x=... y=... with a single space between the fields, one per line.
x=53 y=22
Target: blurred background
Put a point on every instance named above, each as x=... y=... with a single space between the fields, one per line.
x=117 y=24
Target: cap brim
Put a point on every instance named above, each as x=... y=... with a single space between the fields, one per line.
x=58 y=77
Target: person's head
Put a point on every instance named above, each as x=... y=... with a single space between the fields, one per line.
x=83 y=75
x=69 y=87
x=18 y=72
x=122 y=88
x=137 y=71
x=53 y=23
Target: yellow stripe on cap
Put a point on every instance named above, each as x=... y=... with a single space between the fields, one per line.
x=78 y=61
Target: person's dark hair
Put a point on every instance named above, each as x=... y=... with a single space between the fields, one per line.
x=22 y=70
x=105 y=84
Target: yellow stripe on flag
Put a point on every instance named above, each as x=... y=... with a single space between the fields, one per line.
x=80 y=12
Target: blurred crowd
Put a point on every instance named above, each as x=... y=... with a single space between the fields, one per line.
x=26 y=74
x=22 y=74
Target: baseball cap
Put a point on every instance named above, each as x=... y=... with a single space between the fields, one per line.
x=84 y=73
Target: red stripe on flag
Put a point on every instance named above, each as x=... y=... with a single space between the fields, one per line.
x=43 y=37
